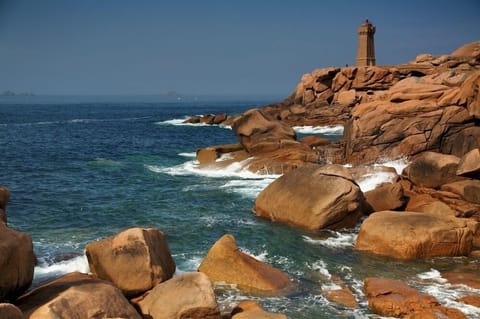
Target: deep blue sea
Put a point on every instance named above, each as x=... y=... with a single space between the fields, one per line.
x=84 y=168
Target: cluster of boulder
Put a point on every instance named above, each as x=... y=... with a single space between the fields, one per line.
x=427 y=110
x=430 y=104
x=133 y=275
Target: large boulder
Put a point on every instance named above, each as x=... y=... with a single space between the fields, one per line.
x=135 y=260
x=76 y=295
x=17 y=262
x=470 y=94
x=410 y=235
x=432 y=169
x=394 y=298
x=252 y=310
x=225 y=262
x=10 y=311
x=463 y=278
x=313 y=197
x=189 y=295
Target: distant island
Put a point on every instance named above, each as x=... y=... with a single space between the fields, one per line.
x=11 y=93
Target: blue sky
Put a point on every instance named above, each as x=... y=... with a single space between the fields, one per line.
x=210 y=47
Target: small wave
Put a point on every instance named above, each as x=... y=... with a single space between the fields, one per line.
x=188 y=154
x=46 y=271
x=337 y=240
x=321 y=267
x=398 y=164
x=193 y=168
x=324 y=130
x=370 y=181
x=247 y=188
x=432 y=275
x=433 y=284
x=181 y=122
x=377 y=175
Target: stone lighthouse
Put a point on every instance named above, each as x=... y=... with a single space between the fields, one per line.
x=366 y=48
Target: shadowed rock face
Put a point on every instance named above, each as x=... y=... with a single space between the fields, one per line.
x=313 y=197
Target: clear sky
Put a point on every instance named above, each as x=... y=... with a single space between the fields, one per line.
x=211 y=47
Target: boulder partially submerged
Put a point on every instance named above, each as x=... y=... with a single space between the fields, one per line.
x=225 y=263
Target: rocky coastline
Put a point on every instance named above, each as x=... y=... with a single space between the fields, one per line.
x=427 y=110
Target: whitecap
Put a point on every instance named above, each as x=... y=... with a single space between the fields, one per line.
x=45 y=271
x=432 y=275
x=398 y=164
x=337 y=240
x=371 y=180
x=247 y=188
x=188 y=154
x=321 y=267
x=181 y=122
x=324 y=130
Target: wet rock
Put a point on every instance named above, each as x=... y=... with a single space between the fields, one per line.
x=416 y=235
x=463 y=278
x=219 y=118
x=135 y=260
x=189 y=295
x=9 y=311
x=473 y=300
x=342 y=295
x=394 y=298
x=252 y=310
x=17 y=262
x=387 y=196
x=208 y=155
x=76 y=295
x=224 y=262
x=306 y=197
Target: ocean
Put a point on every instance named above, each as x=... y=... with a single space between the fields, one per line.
x=84 y=168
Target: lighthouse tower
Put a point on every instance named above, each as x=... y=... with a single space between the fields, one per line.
x=366 y=48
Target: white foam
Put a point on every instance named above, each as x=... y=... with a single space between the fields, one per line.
x=432 y=275
x=247 y=188
x=79 y=263
x=398 y=164
x=433 y=284
x=181 y=122
x=331 y=286
x=324 y=130
x=262 y=256
x=338 y=240
x=188 y=154
x=236 y=169
x=371 y=180
x=321 y=267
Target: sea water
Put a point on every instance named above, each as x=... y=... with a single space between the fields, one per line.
x=81 y=169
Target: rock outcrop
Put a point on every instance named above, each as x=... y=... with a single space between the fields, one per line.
x=225 y=262
x=313 y=197
x=394 y=298
x=76 y=295
x=387 y=196
x=17 y=262
x=410 y=235
x=135 y=260
x=469 y=165
x=189 y=295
